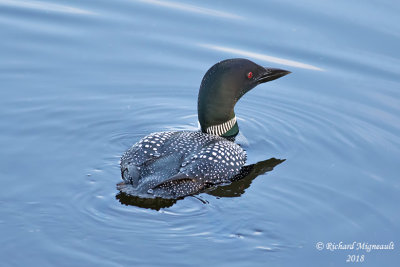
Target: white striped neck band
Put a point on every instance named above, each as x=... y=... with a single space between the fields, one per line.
x=222 y=128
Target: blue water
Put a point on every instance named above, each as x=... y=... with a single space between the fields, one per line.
x=81 y=81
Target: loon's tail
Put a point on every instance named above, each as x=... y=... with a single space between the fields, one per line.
x=130 y=174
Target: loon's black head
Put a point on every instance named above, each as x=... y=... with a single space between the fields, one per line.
x=222 y=86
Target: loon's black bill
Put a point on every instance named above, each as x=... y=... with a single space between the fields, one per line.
x=271 y=74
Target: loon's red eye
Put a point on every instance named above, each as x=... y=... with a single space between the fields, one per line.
x=250 y=75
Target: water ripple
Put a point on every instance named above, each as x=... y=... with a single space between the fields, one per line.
x=46 y=6
x=191 y=9
x=261 y=57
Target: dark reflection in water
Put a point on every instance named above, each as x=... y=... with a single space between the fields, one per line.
x=244 y=179
x=148 y=203
x=240 y=183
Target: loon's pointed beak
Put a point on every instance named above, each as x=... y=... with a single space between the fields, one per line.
x=271 y=74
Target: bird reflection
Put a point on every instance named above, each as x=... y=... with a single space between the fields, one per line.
x=235 y=189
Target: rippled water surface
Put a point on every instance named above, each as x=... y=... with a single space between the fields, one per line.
x=81 y=81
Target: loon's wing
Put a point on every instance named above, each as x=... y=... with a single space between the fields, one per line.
x=145 y=152
x=217 y=162
x=148 y=148
x=174 y=180
x=179 y=185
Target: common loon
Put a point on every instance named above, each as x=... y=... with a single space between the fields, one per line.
x=176 y=164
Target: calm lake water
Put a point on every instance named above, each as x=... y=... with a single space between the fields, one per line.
x=81 y=81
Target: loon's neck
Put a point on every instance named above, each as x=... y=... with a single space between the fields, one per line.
x=218 y=94
x=227 y=129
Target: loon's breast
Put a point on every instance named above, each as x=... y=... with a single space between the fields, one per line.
x=176 y=164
